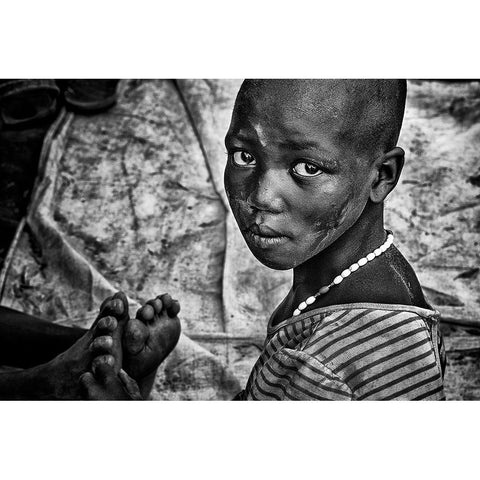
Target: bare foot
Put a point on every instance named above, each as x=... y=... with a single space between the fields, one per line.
x=59 y=378
x=151 y=336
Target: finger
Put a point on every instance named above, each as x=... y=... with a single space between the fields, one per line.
x=102 y=344
x=130 y=385
x=99 y=363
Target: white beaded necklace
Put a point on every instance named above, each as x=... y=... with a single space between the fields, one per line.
x=339 y=278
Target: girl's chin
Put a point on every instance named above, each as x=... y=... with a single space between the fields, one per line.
x=274 y=265
x=283 y=256
x=273 y=260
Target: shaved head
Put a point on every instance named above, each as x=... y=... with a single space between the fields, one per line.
x=310 y=159
x=365 y=116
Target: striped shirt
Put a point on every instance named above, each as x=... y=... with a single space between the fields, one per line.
x=361 y=351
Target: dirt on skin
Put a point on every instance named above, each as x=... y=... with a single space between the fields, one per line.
x=139 y=194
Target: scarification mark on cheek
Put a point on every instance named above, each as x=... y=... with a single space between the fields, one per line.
x=235 y=191
x=334 y=220
x=342 y=213
x=237 y=205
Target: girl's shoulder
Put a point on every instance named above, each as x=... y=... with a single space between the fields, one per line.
x=379 y=351
x=357 y=312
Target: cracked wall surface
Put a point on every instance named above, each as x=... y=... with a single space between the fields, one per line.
x=134 y=199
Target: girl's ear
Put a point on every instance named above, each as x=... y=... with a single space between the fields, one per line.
x=388 y=173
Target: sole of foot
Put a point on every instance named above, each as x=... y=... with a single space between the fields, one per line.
x=151 y=336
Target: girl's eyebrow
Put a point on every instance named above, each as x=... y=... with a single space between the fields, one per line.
x=288 y=144
x=230 y=137
x=297 y=146
x=294 y=146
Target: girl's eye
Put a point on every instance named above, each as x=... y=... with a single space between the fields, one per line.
x=243 y=159
x=306 y=169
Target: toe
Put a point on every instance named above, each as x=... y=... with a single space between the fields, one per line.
x=102 y=360
x=174 y=308
x=135 y=336
x=116 y=305
x=87 y=379
x=166 y=300
x=87 y=383
x=105 y=373
x=121 y=304
x=102 y=345
x=157 y=305
x=105 y=325
x=105 y=302
x=108 y=307
x=146 y=313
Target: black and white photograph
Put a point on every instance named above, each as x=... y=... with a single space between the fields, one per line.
x=275 y=239
x=239 y=241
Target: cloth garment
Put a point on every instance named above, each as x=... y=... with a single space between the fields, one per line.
x=361 y=351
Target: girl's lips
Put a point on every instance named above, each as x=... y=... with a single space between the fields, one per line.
x=263 y=230
x=263 y=241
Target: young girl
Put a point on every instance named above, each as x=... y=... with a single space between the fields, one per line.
x=310 y=163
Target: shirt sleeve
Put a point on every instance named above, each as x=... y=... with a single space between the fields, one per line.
x=296 y=375
x=240 y=396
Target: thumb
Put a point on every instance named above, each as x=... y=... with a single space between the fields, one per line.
x=130 y=385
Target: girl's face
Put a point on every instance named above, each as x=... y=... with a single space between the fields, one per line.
x=292 y=187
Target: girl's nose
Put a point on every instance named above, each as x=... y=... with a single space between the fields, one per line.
x=265 y=196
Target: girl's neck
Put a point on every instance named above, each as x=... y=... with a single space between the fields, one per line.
x=362 y=238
